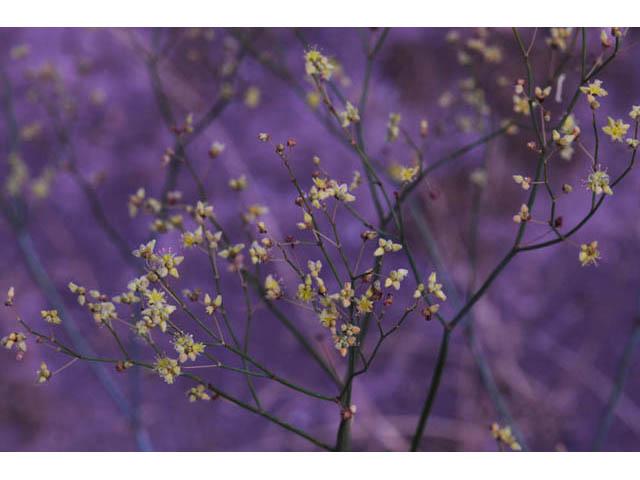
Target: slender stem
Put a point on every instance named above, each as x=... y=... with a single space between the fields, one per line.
x=622 y=372
x=433 y=390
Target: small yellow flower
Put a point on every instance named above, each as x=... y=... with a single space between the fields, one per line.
x=635 y=112
x=562 y=140
x=305 y=290
x=145 y=251
x=589 y=253
x=504 y=436
x=542 y=93
x=16 y=339
x=203 y=211
x=350 y=115
x=598 y=182
x=307 y=222
x=51 y=316
x=167 y=265
x=569 y=126
x=385 y=246
x=167 y=368
x=615 y=129
x=346 y=294
x=212 y=305
x=559 y=37
x=356 y=182
x=191 y=239
x=408 y=174
x=232 y=251
x=187 y=349
x=43 y=374
x=524 y=182
x=318 y=64
x=523 y=215
x=328 y=318
x=395 y=277
x=521 y=105
x=364 y=304
x=347 y=338
x=594 y=89
x=435 y=288
x=393 y=127
x=198 y=393
x=272 y=287
x=258 y=253
x=239 y=183
x=135 y=202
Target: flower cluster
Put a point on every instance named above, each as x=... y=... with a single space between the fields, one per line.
x=51 y=316
x=324 y=188
x=347 y=338
x=167 y=368
x=385 y=246
x=187 y=349
x=504 y=436
x=598 y=182
x=393 y=126
x=43 y=374
x=589 y=253
x=15 y=339
x=318 y=64
x=156 y=313
x=198 y=392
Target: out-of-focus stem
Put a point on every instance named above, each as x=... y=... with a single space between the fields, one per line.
x=619 y=382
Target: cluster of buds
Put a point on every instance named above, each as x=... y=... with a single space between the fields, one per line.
x=395 y=277
x=598 y=182
x=524 y=182
x=167 y=368
x=198 y=392
x=523 y=215
x=51 y=316
x=542 y=93
x=347 y=338
x=393 y=127
x=318 y=65
x=272 y=287
x=211 y=306
x=350 y=115
x=559 y=37
x=187 y=349
x=592 y=91
x=17 y=340
x=589 y=253
x=385 y=246
x=239 y=183
x=258 y=253
x=504 y=436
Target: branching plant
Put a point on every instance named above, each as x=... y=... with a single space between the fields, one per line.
x=183 y=328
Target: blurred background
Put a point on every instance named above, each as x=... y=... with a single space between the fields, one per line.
x=85 y=123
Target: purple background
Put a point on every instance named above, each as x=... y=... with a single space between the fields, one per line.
x=552 y=330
